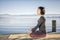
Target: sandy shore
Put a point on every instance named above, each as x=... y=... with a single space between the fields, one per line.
x=25 y=36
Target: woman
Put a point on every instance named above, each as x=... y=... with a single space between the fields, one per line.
x=41 y=23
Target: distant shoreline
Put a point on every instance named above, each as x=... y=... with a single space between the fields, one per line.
x=28 y=15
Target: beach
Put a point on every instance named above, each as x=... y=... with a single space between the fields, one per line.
x=25 y=36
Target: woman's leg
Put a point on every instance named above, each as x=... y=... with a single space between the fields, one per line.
x=37 y=34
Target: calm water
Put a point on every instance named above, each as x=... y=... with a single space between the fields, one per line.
x=22 y=23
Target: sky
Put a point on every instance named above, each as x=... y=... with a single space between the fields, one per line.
x=28 y=7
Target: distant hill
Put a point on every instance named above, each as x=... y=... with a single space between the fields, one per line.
x=47 y=15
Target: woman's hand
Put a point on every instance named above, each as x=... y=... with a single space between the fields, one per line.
x=30 y=31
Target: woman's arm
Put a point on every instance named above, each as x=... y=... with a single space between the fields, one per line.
x=40 y=21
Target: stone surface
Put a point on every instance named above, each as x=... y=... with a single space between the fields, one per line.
x=49 y=36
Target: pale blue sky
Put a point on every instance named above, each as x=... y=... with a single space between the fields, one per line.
x=28 y=7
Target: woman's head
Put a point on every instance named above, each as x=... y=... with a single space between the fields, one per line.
x=41 y=10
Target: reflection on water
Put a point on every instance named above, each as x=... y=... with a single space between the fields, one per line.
x=22 y=23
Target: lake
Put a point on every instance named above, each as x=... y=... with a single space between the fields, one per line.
x=22 y=23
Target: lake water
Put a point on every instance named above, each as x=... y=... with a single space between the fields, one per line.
x=22 y=23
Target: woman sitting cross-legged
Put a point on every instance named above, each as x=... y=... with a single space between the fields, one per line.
x=41 y=25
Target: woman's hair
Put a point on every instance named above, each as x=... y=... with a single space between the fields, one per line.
x=42 y=10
